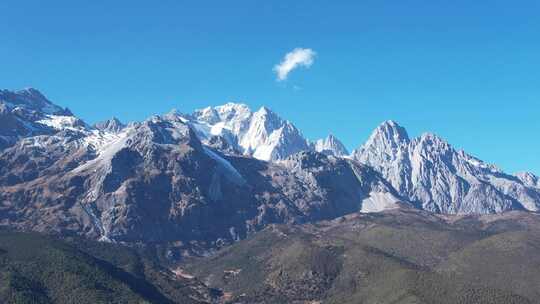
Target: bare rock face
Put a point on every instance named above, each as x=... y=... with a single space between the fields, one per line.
x=21 y=113
x=347 y=184
x=330 y=146
x=432 y=174
x=31 y=100
x=529 y=179
x=271 y=138
x=113 y=125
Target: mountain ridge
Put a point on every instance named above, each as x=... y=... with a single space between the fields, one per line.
x=430 y=172
x=222 y=173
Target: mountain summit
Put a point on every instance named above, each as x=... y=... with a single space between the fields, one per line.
x=113 y=125
x=26 y=113
x=261 y=134
x=430 y=173
x=330 y=146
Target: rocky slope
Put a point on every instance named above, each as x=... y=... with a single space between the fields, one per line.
x=157 y=182
x=429 y=172
x=330 y=146
x=401 y=256
x=21 y=113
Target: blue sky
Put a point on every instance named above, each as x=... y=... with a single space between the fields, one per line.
x=466 y=70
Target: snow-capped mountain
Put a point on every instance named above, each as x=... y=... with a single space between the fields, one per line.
x=32 y=101
x=261 y=134
x=177 y=177
x=29 y=117
x=22 y=114
x=223 y=172
x=271 y=138
x=113 y=125
x=430 y=173
x=330 y=146
x=232 y=127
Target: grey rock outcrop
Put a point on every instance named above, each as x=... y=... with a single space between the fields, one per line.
x=113 y=125
x=433 y=175
x=330 y=146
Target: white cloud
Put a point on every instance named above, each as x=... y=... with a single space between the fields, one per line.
x=296 y=58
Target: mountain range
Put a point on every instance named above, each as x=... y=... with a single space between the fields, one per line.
x=216 y=175
x=230 y=205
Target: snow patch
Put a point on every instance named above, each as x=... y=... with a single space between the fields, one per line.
x=230 y=171
x=60 y=122
x=99 y=139
x=378 y=201
x=105 y=147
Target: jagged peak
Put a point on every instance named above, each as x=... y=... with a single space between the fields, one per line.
x=154 y=118
x=331 y=137
x=27 y=93
x=232 y=107
x=174 y=111
x=270 y=119
x=206 y=110
x=289 y=127
x=207 y=114
x=528 y=178
x=162 y=120
x=392 y=125
x=306 y=159
x=31 y=92
x=527 y=174
x=431 y=141
x=330 y=145
x=265 y=111
x=176 y=115
x=111 y=125
x=228 y=111
x=232 y=104
x=227 y=108
x=388 y=133
x=32 y=99
x=432 y=138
